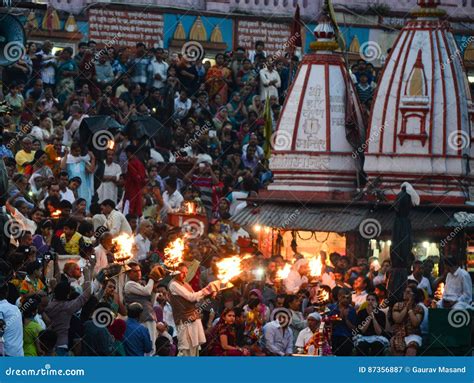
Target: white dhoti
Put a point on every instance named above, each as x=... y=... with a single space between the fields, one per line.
x=151 y=326
x=190 y=332
x=190 y=337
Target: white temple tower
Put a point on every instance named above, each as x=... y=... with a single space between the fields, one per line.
x=420 y=127
x=321 y=125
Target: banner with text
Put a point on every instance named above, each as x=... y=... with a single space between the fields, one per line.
x=276 y=36
x=125 y=28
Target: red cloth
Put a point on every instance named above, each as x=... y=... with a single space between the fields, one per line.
x=117 y=328
x=135 y=181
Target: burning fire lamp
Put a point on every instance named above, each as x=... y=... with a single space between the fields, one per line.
x=190 y=208
x=174 y=253
x=123 y=245
x=58 y=159
x=56 y=214
x=111 y=145
x=283 y=272
x=315 y=268
x=229 y=268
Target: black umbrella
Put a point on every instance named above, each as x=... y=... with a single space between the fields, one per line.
x=401 y=248
x=147 y=127
x=96 y=132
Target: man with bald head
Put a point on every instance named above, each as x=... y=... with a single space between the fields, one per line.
x=25 y=155
x=142 y=240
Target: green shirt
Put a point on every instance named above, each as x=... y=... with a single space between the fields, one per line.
x=30 y=334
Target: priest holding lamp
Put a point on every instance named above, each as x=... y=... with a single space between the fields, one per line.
x=183 y=300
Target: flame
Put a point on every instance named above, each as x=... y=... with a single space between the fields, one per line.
x=315 y=266
x=174 y=253
x=111 y=145
x=323 y=296
x=441 y=288
x=56 y=214
x=284 y=272
x=229 y=268
x=58 y=158
x=189 y=207
x=124 y=244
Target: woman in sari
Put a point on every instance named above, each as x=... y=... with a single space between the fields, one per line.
x=237 y=110
x=82 y=167
x=40 y=168
x=407 y=317
x=257 y=105
x=216 y=104
x=218 y=79
x=221 y=118
x=247 y=74
x=244 y=133
x=371 y=339
x=222 y=337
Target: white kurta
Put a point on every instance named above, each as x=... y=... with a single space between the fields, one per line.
x=267 y=90
x=109 y=190
x=190 y=334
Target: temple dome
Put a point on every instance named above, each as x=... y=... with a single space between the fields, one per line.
x=314 y=148
x=420 y=126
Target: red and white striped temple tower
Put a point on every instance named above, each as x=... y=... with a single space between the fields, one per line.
x=420 y=127
x=320 y=127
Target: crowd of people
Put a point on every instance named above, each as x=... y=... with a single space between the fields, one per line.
x=64 y=203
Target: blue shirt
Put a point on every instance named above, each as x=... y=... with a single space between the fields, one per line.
x=276 y=340
x=340 y=328
x=138 y=67
x=5 y=152
x=137 y=340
